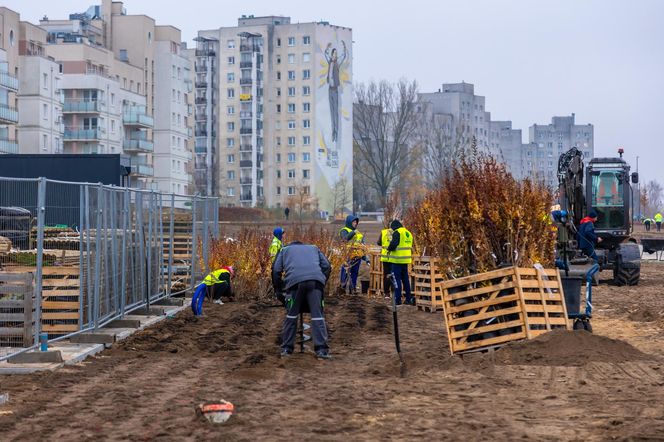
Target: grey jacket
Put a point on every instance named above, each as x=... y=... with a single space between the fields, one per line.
x=299 y=262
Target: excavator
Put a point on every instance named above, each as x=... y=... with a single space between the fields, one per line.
x=604 y=187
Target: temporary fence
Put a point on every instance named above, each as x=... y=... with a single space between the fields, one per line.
x=75 y=256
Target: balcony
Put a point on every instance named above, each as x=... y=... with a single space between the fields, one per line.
x=246 y=64
x=245 y=81
x=200 y=100
x=245 y=196
x=75 y=134
x=200 y=67
x=205 y=53
x=8 y=114
x=246 y=131
x=246 y=114
x=8 y=146
x=201 y=84
x=245 y=163
x=249 y=48
x=246 y=181
x=131 y=145
x=8 y=81
x=142 y=170
x=137 y=116
x=73 y=106
x=245 y=98
x=246 y=148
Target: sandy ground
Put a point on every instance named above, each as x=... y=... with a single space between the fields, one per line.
x=563 y=386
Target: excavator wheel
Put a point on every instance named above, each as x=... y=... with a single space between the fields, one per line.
x=626 y=276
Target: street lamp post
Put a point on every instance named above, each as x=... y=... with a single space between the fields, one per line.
x=638 y=185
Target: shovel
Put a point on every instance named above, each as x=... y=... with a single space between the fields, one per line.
x=395 y=319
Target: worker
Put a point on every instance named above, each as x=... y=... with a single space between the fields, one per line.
x=276 y=244
x=355 y=239
x=215 y=285
x=658 y=221
x=384 y=241
x=301 y=272
x=399 y=255
x=586 y=235
x=647 y=222
x=286 y=212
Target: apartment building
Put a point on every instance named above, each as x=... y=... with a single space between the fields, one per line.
x=274 y=112
x=9 y=61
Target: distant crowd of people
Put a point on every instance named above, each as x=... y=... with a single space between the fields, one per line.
x=654 y=222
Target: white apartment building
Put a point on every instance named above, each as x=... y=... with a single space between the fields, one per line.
x=274 y=112
x=9 y=115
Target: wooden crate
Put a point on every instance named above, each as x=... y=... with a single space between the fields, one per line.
x=60 y=298
x=494 y=308
x=375 y=274
x=426 y=283
x=17 y=308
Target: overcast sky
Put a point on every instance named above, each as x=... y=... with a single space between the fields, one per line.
x=531 y=59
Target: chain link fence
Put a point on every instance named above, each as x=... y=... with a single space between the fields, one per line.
x=75 y=256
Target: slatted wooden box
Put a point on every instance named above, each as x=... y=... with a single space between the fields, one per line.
x=426 y=283
x=376 y=274
x=17 y=309
x=494 y=308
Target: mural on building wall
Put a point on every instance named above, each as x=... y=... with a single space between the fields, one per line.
x=334 y=107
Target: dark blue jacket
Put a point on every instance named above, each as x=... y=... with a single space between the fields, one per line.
x=586 y=235
x=349 y=223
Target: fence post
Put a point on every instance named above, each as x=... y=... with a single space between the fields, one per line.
x=148 y=272
x=206 y=232
x=96 y=306
x=194 y=245
x=141 y=244
x=41 y=214
x=114 y=248
x=171 y=235
x=123 y=266
x=159 y=261
x=81 y=271
x=88 y=267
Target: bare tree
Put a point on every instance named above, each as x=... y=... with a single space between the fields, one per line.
x=654 y=196
x=302 y=200
x=384 y=126
x=340 y=197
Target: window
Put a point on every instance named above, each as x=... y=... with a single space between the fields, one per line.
x=230 y=77
x=278 y=108
x=291 y=75
x=291 y=108
x=306 y=90
x=230 y=191
x=291 y=172
x=112 y=99
x=291 y=157
x=306 y=124
x=291 y=190
x=291 y=124
x=44 y=141
x=306 y=157
x=278 y=141
x=278 y=42
x=305 y=174
x=306 y=57
x=306 y=40
x=230 y=174
x=45 y=111
x=306 y=107
x=230 y=44
x=113 y=126
x=179 y=73
x=291 y=41
x=45 y=82
x=230 y=110
x=278 y=92
x=291 y=91
x=291 y=58
x=278 y=190
x=278 y=59
x=306 y=74
x=172 y=94
x=291 y=142
x=306 y=140
x=230 y=92
x=179 y=97
x=230 y=142
x=231 y=158
x=278 y=173
x=560 y=146
x=230 y=126
x=231 y=60
x=278 y=158
x=278 y=75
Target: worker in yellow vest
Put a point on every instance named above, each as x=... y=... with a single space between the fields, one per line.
x=215 y=285
x=384 y=241
x=658 y=221
x=276 y=245
x=399 y=255
x=355 y=238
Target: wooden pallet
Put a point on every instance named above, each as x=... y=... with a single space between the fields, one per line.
x=426 y=284
x=17 y=308
x=494 y=308
x=60 y=298
x=375 y=274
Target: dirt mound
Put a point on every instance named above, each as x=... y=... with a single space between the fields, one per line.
x=568 y=348
x=644 y=315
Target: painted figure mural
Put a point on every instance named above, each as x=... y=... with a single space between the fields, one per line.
x=334 y=62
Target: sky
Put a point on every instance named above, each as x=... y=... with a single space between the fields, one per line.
x=532 y=59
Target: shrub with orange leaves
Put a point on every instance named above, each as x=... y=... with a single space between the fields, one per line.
x=481 y=217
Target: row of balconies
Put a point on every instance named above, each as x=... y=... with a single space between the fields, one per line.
x=205 y=53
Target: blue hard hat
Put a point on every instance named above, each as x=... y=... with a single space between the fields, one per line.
x=278 y=232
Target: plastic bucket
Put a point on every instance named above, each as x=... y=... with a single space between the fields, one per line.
x=572 y=292
x=365 y=285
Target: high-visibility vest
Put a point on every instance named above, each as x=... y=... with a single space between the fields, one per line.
x=385 y=238
x=275 y=247
x=356 y=241
x=213 y=277
x=658 y=218
x=404 y=251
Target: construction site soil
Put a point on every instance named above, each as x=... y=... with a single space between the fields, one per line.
x=561 y=386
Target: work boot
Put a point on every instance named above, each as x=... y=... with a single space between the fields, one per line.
x=285 y=353
x=323 y=354
x=218 y=301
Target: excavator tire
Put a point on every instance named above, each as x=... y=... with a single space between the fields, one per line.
x=626 y=276
x=627 y=267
